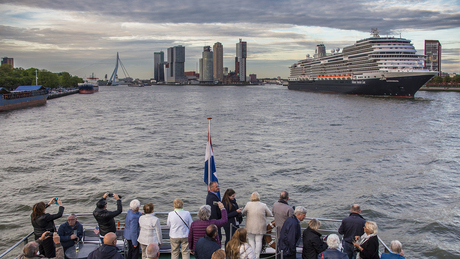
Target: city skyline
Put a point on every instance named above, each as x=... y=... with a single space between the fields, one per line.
x=83 y=37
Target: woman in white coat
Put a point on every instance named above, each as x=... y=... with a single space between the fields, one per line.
x=150 y=229
x=256 y=214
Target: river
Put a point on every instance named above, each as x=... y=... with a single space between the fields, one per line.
x=398 y=158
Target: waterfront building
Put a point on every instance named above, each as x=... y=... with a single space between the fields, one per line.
x=176 y=65
x=240 y=60
x=225 y=71
x=206 y=64
x=218 y=57
x=253 y=78
x=433 y=55
x=159 y=60
x=9 y=61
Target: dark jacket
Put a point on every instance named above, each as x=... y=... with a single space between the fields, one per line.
x=232 y=215
x=205 y=247
x=105 y=252
x=45 y=222
x=370 y=248
x=215 y=211
x=65 y=231
x=332 y=254
x=312 y=244
x=289 y=235
x=105 y=219
x=352 y=226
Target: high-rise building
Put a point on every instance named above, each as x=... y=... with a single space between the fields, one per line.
x=159 y=60
x=9 y=61
x=218 y=56
x=240 y=60
x=433 y=55
x=206 y=74
x=176 y=61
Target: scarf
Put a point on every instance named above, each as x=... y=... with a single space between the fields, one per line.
x=363 y=240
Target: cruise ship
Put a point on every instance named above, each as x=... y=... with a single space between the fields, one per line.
x=376 y=66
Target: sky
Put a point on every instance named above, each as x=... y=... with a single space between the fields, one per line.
x=83 y=37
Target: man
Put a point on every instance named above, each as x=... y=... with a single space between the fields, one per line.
x=70 y=232
x=207 y=245
x=282 y=211
x=108 y=250
x=211 y=199
x=396 y=251
x=153 y=251
x=290 y=233
x=351 y=228
x=30 y=250
x=104 y=217
x=132 y=229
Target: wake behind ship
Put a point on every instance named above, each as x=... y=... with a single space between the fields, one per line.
x=374 y=66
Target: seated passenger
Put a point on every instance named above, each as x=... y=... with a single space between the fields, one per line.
x=396 y=251
x=70 y=232
x=108 y=249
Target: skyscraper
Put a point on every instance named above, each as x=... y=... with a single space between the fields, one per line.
x=206 y=74
x=240 y=60
x=218 y=57
x=159 y=60
x=176 y=60
x=433 y=55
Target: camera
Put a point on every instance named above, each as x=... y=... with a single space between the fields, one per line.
x=111 y=195
x=215 y=202
x=49 y=234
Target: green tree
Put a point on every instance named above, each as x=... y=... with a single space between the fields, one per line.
x=65 y=79
x=447 y=79
x=75 y=80
x=436 y=79
x=456 y=79
x=48 y=79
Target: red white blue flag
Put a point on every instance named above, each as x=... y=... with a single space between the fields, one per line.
x=209 y=157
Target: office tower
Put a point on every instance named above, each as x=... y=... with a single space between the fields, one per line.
x=206 y=74
x=218 y=69
x=176 y=61
x=225 y=71
x=9 y=61
x=433 y=55
x=240 y=60
x=159 y=60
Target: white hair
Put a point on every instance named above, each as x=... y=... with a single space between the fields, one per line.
x=134 y=204
x=300 y=210
x=204 y=212
x=396 y=246
x=333 y=241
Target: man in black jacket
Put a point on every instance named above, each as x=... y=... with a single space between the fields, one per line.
x=108 y=250
x=211 y=200
x=104 y=217
x=352 y=227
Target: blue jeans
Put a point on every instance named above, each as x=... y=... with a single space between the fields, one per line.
x=349 y=249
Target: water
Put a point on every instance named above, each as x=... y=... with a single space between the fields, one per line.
x=399 y=159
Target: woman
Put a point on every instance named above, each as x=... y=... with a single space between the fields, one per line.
x=368 y=244
x=198 y=227
x=333 y=250
x=179 y=222
x=312 y=242
x=43 y=222
x=238 y=248
x=234 y=214
x=256 y=214
x=150 y=229
x=131 y=232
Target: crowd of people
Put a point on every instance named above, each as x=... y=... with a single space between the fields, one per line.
x=202 y=237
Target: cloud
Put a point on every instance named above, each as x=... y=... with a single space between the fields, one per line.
x=73 y=34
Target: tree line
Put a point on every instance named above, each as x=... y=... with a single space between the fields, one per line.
x=446 y=79
x=11 y=78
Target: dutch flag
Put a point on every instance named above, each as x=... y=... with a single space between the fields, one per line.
x=210 y=156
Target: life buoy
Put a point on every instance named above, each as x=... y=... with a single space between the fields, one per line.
x=268 y=236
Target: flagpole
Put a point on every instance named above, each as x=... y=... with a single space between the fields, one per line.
x=209 y=160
